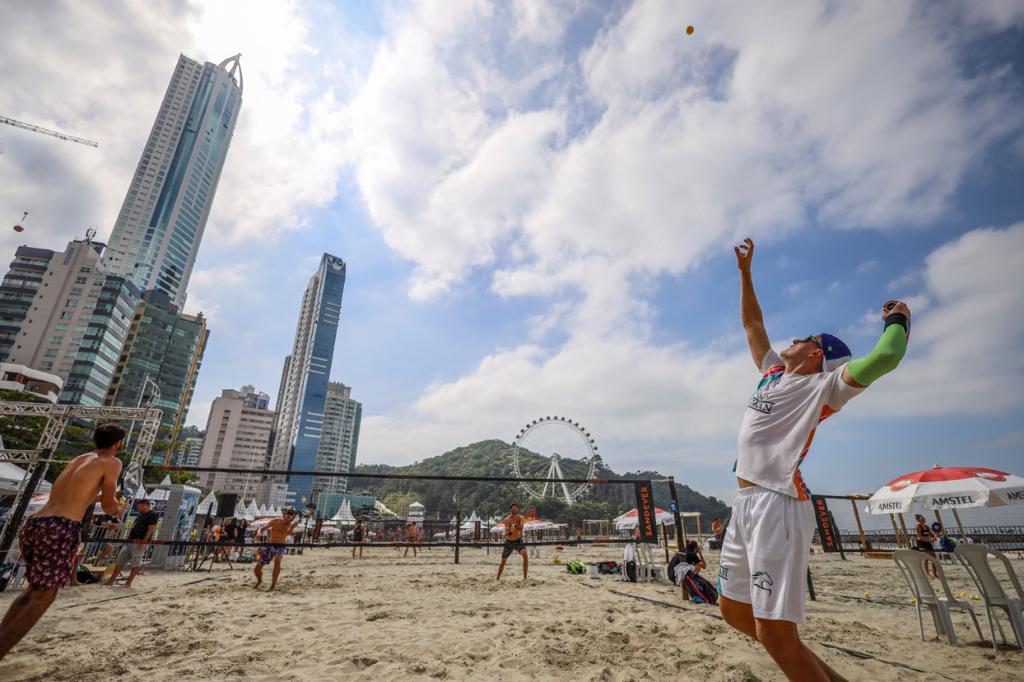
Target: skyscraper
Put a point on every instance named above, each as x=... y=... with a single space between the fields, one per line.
x=165 y=346
x=339 y=438
x=75 y=322
x=237 y=437
x=157 y=233
x=303 y=395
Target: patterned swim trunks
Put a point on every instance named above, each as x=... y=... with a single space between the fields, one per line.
x=48 y=547
x=264 y=555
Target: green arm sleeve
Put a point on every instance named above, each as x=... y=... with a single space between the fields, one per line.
x=883 y=359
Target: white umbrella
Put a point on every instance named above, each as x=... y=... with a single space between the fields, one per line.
x=947 y=488
x=629 y=520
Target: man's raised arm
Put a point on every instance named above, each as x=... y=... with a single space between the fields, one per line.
x=750 y=310
x=888 y=351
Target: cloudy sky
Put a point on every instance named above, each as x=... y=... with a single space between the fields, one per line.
x=537 y=202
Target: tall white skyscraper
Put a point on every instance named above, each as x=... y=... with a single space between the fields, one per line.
x=157 y=233
x=303 y=392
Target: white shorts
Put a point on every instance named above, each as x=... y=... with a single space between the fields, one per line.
x=765 y=553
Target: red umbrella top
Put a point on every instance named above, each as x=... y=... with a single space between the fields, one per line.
x=938 y=474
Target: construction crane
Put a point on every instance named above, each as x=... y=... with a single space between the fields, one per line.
x=45 y=131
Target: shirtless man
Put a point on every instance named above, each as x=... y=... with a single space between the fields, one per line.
x=764 y=556
x=278 y=530
x=513 y=540
x=49 y=538
x=410 y=540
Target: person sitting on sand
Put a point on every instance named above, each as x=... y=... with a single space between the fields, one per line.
x=50 y=537
x=410 y=540
x=513 y=540
x=694 y=556
x=278 y=531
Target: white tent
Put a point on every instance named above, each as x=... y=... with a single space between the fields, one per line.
x=208 y=506
x=344 y=515
x=11 y=476
x=252 y=510
x=264 y=511
x=167 y=480
x=628 y=521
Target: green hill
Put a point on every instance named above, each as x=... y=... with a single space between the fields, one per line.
x=491 y=458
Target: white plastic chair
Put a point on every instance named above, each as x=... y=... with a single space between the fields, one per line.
x=912 y=565
x=647 y=569
x=975 y=559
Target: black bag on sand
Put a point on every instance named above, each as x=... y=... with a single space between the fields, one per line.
x=631 y=571
x=85 y=576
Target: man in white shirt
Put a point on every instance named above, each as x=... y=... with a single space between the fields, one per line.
x=765 y=551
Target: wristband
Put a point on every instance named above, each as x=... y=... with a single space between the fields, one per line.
x=900 y=319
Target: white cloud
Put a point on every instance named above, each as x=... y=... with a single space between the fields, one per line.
x=645 y=405
x=643 y=156
x=867 y=266
x=964 y=355
x=673 y=144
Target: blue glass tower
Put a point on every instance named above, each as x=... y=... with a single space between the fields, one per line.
x=161 y=223
x=303 y=393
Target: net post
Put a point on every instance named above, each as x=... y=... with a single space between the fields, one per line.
x=458 y=532
x=906 y=535
x=896 y=532
x=675 y=514
x=860 y=527
x=810 y=585
x=664 y=535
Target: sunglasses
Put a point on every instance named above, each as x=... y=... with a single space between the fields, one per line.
x=810 y=339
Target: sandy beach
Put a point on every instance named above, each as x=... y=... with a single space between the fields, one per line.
x=382 y=617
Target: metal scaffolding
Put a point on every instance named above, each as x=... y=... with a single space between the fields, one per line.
x=57 y=417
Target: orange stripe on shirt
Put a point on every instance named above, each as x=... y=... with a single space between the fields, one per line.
x=798 y=479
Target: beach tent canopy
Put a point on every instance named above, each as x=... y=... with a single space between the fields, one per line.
x=344 y=514
x=628 y=521
x=167 y=480
x=947 y=488
x=252 y=510
x=11 y=476
x=208 y=506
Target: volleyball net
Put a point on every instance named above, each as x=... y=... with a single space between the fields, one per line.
x=212 y=514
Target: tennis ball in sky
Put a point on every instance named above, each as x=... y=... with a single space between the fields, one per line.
x=689 y=30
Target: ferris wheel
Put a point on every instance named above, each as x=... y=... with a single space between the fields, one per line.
x=554 y=439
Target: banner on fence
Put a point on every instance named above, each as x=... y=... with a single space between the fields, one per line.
x=826 y=530
x=646 y=516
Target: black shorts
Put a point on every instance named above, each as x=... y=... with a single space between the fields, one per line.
x=512 y=546
x=924 y=546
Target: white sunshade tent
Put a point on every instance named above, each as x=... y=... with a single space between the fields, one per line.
x=628 y=521
x=344 y=514
x=252 y=510
x=208 y=505
x=11 y=476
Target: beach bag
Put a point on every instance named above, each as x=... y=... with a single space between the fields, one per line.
x=85 y=576
x=631 y=571
x=576 y=567
x=701 y=591
x=608 y=568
